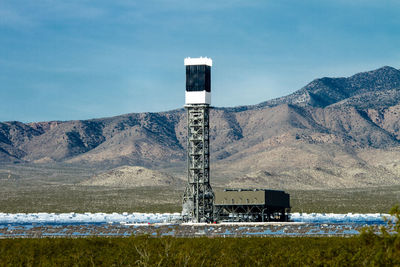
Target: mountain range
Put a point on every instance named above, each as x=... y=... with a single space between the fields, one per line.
x=332 y=133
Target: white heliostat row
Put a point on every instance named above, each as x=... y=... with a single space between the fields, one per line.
x=198 y=97
x=42 y=217
x=18 y=218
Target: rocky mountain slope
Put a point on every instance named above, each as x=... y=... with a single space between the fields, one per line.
x=384 y=82
x=334 y=132
x=133 y=176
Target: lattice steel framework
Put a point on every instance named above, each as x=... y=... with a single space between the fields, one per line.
x=198 y=196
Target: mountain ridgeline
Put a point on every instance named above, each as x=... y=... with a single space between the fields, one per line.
x=334 y=132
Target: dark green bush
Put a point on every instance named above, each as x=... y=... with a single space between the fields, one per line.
x=384 y=248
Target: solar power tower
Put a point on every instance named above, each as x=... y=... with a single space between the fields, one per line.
x=198 y=197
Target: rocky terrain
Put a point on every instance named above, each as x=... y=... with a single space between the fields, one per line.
x=332 y=133
x=133 y=176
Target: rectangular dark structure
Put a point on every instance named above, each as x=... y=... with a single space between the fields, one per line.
x=251 y=205
x=198 y=78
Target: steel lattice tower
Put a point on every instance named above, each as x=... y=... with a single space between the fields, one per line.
x=198 y=196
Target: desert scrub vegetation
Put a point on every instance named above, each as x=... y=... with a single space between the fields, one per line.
x=366 y=249
x=69 y=198
x=385 y=247
x=167 y=251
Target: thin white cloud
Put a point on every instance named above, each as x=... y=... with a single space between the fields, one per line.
x=70 y=9
x=35 y=13
x=37 y=67
x=353 y=3
x=208 y=5
x=12 y=18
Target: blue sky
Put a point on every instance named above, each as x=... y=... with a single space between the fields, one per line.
x=81 y=59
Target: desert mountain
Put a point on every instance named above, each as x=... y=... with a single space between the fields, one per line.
x=334 y=132
x=383 y=83
x=132 y=176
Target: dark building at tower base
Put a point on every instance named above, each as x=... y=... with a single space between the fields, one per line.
x=251 y=205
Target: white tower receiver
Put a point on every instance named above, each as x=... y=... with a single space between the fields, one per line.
x=198 y=81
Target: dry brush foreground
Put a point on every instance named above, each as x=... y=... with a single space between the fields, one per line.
x=367 y=249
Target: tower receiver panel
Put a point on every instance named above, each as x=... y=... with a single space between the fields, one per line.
x=198 y=81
